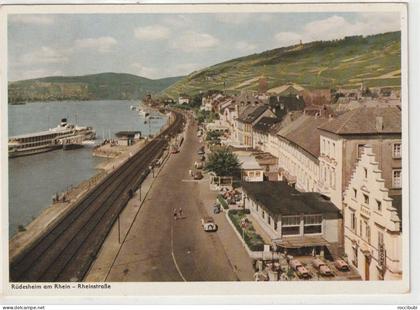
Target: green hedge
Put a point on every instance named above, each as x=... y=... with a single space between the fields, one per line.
x=223 y=202
x=252 y=239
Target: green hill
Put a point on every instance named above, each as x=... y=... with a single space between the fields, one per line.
x=88 y=87
x=374 y=60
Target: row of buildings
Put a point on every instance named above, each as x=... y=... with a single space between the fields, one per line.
x=337 y=179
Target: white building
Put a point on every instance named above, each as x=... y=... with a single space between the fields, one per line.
x=251 y=171
x=296 y=145
x=294 y=220
x=183 y=100
x=372 y=226
x=342 y=138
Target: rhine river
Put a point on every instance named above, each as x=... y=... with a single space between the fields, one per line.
x=33 y=180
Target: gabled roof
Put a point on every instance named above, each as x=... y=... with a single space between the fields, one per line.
x=304 y=132
x=278 y=198
x=363 y=120
x=251 y=113
x=264 y=124
x=289 y=100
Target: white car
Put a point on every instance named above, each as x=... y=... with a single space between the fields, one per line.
x=208 y=223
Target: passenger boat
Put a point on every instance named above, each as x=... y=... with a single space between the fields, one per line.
x=64 y=136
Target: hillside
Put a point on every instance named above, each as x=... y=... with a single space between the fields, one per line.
x=374 y=60
x=87 y=87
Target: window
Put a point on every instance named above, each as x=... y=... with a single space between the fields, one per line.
x=367 y=230
x=290 y=225
x=396 y=178
x=355 y=256
x=269 y=220
x=355 y=193
x=251 y=174
x=378 y=205
x=380 y=238
x=365 y=171
x=360 y=148
x=312 y=224
x=257 y=173
x=366 y=199
x=353 y=221
x=263 y=214
x=396 y=150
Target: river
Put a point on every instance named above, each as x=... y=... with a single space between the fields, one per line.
x=34 y=179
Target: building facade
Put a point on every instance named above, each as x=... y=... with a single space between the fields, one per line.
x=342 y=140
x=372 y=226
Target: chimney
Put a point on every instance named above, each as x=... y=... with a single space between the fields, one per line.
x=379 y=123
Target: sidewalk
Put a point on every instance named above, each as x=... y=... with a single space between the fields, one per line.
x=100 y=268
x=238 y=256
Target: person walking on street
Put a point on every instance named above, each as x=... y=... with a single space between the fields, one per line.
x=180 y=212
x=190 y=172
x=175 y=214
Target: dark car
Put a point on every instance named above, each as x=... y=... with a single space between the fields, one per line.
x=198 y=175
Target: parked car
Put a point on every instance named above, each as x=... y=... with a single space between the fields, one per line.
x=300 y=270
x=341 y=265
x=322 y=267
x=198 y=175
x=208 y=224
x=217 y=209
x=201 y=152
x=198 y=165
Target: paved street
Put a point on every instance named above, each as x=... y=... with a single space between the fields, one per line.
x=159 y=248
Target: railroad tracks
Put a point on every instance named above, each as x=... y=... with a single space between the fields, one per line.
x=66 y=251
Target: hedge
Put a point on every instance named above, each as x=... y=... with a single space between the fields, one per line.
x=252 y=239
x=223 y=202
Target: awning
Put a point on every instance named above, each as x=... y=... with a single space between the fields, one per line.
x=300 y=242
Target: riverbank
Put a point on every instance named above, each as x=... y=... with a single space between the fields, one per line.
x=52 y=214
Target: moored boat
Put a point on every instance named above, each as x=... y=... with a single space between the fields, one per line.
x=52 y=139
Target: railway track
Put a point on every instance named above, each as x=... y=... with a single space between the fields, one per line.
x=66 y=251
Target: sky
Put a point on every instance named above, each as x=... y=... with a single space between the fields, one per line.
x=164 y=45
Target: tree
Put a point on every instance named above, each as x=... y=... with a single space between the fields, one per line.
x=223 y=162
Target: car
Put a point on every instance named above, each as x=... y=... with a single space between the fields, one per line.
x=201 y=152
x=322 y=267
x=341 y=265
x=198 y=175
x=198 y=165
x=300 y=270
x=208 y=224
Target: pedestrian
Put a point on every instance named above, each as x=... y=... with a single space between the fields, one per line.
x=175 y=214
x=190 y=172
x=180 y=212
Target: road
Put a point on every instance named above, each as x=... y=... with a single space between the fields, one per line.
x=159 y=248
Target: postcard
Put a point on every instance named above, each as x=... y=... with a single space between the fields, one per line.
x=208 y=149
